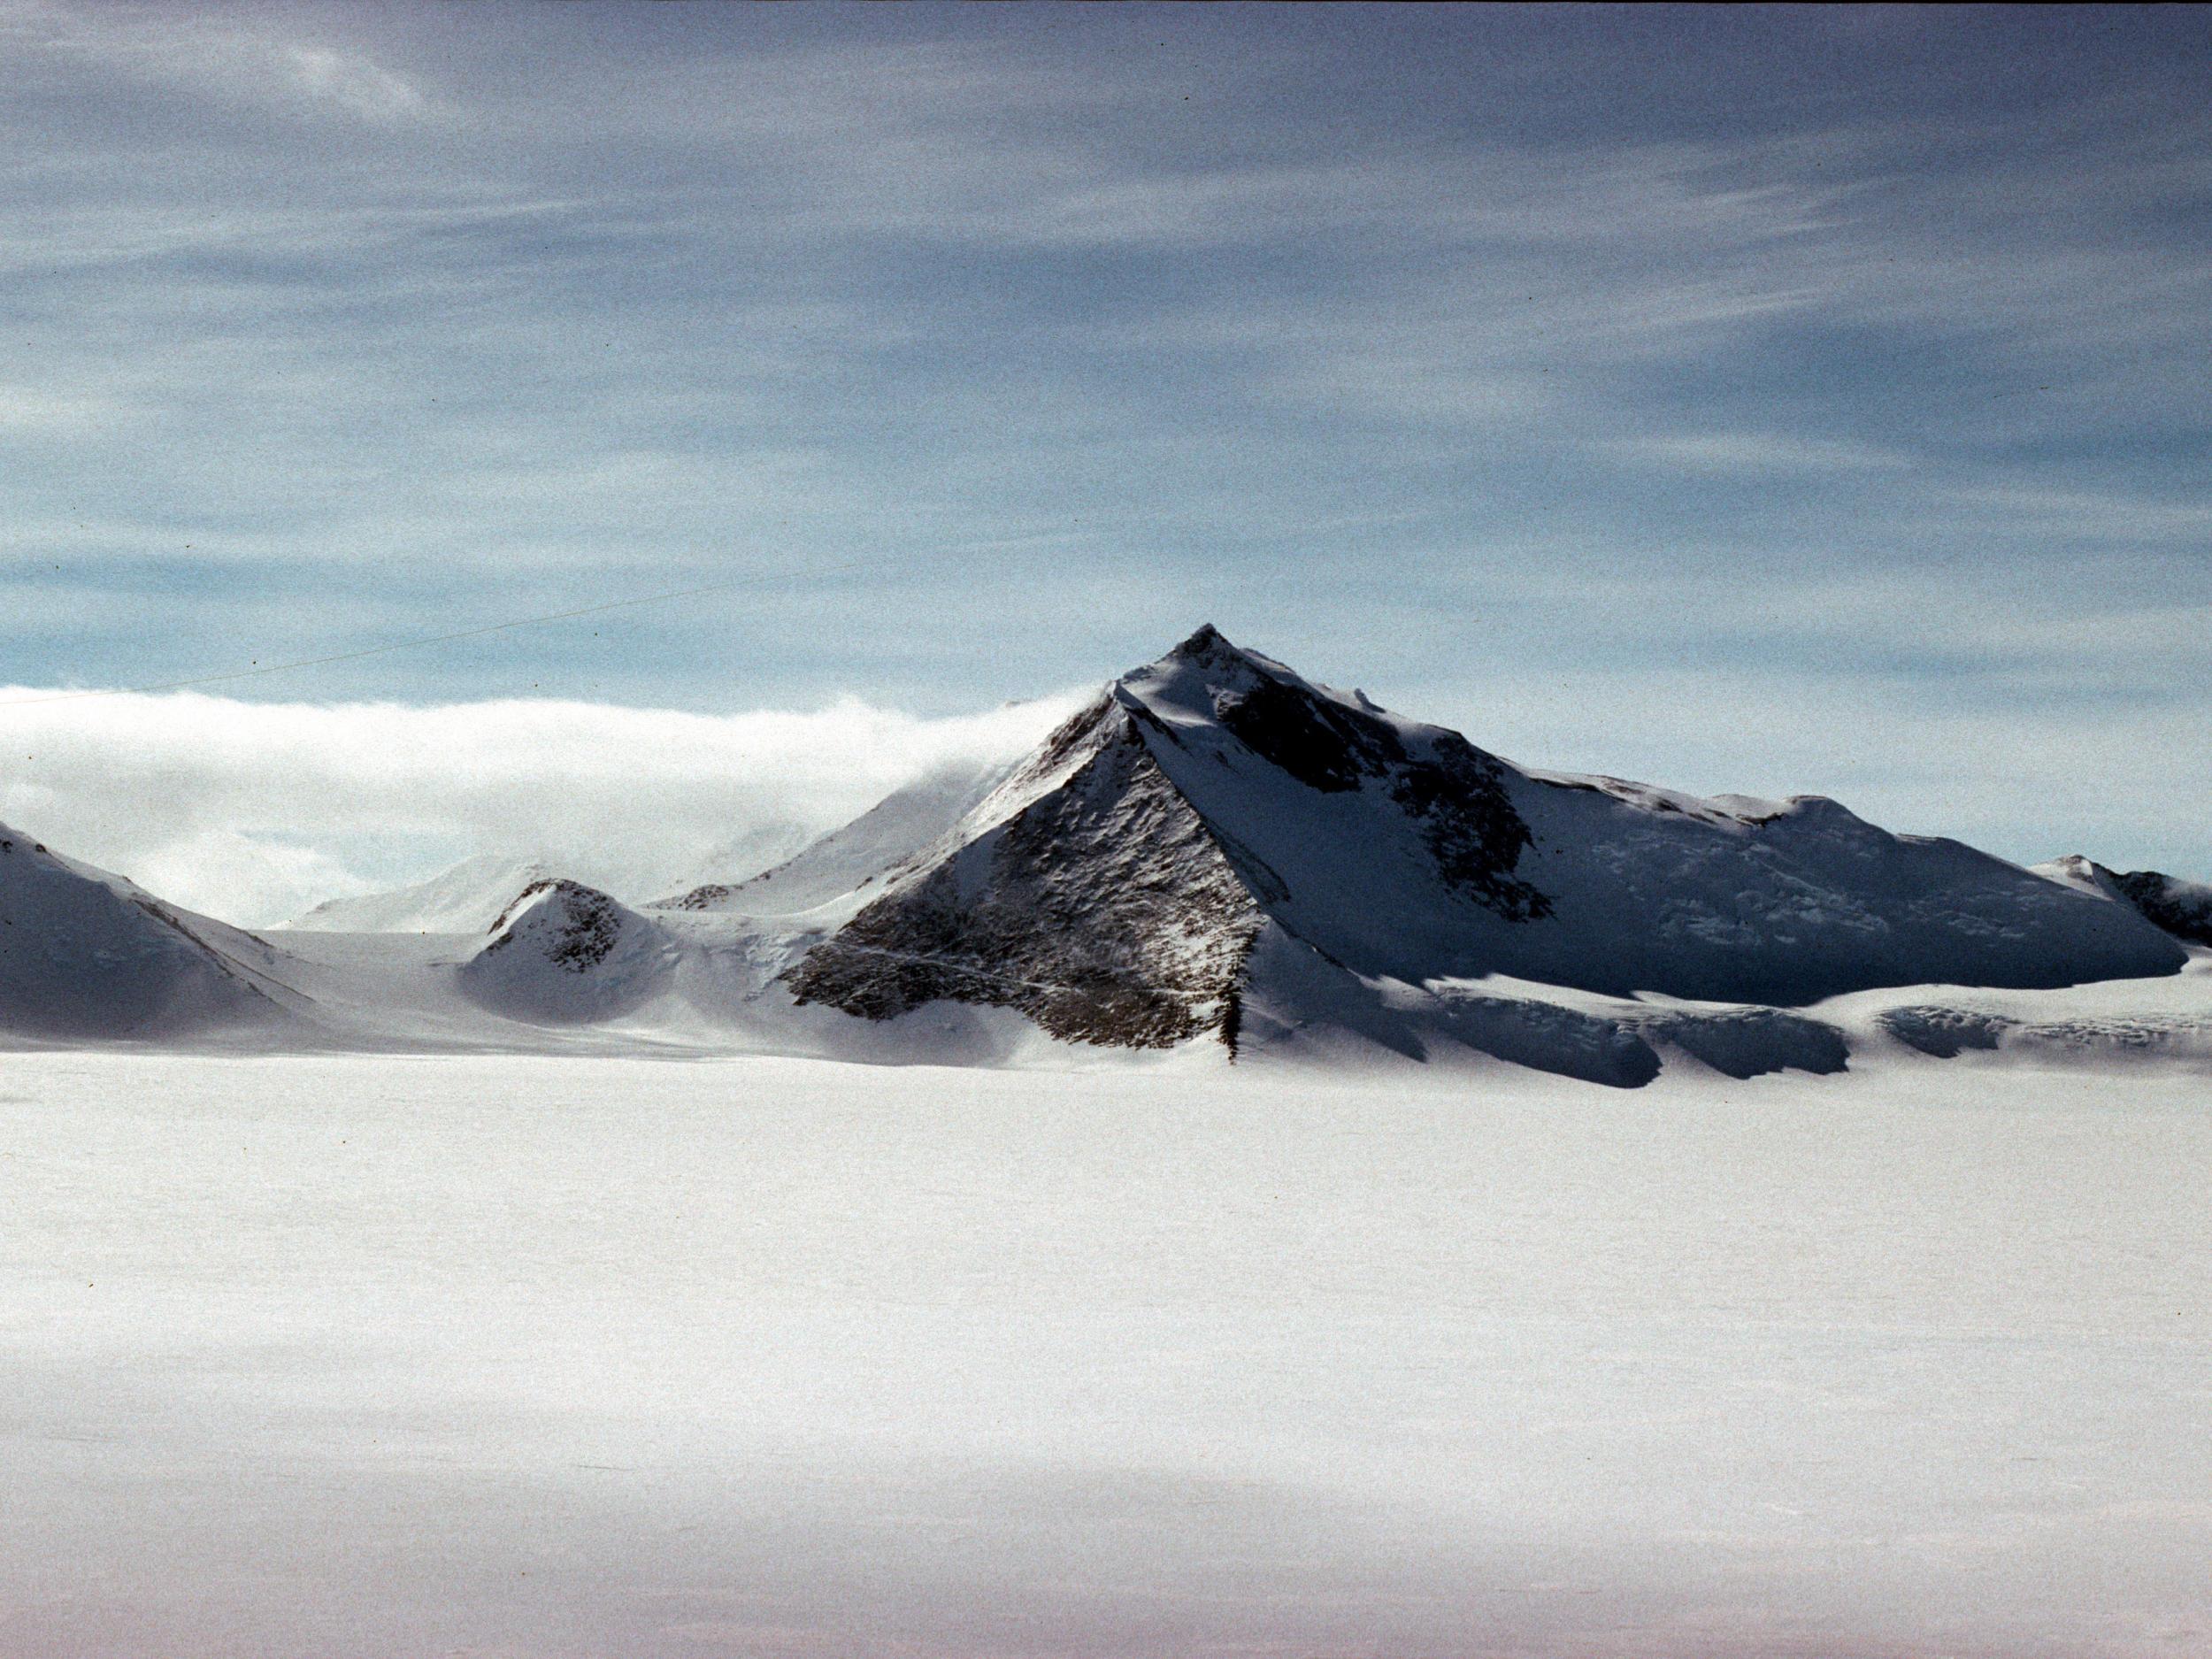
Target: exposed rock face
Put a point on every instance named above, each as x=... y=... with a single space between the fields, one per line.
x=1945 y=1033
x=1458 y=796
x=1103 y=909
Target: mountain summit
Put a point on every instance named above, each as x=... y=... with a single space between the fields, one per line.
x=1214 y=828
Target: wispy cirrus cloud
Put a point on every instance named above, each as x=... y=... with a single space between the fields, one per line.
x=1759 y=452
x=244 y=59
x=1068 y=331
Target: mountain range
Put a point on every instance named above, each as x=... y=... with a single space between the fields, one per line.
x=1214 y=856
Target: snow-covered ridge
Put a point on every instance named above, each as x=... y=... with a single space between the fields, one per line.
x=850 y=859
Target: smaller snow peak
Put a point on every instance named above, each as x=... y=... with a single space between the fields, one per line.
x=2183 y=908
x=573 y=926
x=566 y=953
x=2081 y=874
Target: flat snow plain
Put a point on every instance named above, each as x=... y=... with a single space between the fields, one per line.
x=328 y=1357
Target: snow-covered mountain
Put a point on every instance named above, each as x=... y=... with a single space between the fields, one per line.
x=1214 y=813
x=741 y=859
x=1215 y=854
x=466 y=899
x=85 y=954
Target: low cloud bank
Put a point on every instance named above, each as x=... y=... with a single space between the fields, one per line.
x=254 y=811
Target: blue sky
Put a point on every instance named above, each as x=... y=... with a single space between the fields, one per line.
x=1758 y=399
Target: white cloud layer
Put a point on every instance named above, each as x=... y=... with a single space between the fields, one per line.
x=254 y=811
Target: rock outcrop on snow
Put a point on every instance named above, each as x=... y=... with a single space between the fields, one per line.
x=562 y=952
x=86 y=955
x=1089 y=895
x=1115 y=886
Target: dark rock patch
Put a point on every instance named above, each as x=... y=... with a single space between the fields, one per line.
x=1105 y=911
x=1321 y=743
x=1753 y=1042
x=1944 y=1032
x=1471 y=827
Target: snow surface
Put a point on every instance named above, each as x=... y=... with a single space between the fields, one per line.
x=549 y=1358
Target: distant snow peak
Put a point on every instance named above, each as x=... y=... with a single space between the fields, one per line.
x=830 y=869
x=2183 y=908
x=464 y=899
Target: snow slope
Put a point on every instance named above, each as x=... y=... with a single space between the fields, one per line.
x=852 y=859
x=466 y=899
x=738 y=860
x=87 y=955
